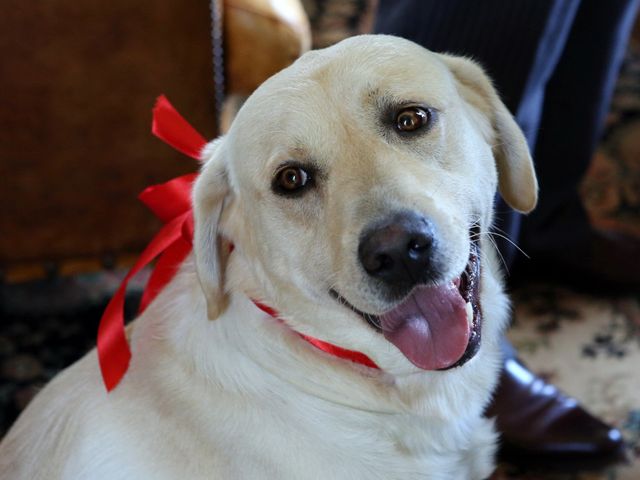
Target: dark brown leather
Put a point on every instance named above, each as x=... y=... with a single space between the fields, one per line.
x=537 y=421
x=78 y=80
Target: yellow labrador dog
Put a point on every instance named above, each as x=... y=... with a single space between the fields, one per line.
x=357 y=188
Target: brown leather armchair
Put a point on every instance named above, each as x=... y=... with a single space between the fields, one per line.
x=78 y=81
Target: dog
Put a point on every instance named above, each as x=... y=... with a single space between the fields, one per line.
x=356 y=187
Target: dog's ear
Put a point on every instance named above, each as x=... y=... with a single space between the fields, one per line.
x=210 y=194
x=516 y=175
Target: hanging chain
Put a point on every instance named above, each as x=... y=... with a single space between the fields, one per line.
x=217 y=43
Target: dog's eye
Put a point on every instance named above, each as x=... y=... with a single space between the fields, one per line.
x=291 y=179
x=411 y=119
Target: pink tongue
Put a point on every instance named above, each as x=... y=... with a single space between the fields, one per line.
x=430 y=327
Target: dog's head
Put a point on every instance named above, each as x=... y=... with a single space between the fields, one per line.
x=356 y=186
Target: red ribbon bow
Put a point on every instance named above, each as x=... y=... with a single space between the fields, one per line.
x=171 y=202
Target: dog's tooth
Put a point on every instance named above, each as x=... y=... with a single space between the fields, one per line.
x=469 y=310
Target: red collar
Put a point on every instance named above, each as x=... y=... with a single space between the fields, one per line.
x=171 y=202
x=331 y=349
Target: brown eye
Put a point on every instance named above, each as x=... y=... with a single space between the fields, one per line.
x=411 y=119
x=291 y=179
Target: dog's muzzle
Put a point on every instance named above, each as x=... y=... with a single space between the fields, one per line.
x=436 y=326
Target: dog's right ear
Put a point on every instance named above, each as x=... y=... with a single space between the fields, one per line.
x=516 y=175
x=210 y=194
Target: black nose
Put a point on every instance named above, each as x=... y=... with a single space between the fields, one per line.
x=399 y=251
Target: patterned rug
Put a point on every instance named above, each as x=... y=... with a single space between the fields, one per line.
x=590 y=348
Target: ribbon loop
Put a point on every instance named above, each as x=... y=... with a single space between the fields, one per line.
x=169 y=199
x=171 y=127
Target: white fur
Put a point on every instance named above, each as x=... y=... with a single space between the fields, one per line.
x=242 y=396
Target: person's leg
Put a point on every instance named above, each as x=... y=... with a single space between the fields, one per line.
x=576 y=100
x=520 y=44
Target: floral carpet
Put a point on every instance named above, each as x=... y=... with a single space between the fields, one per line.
x=590 y=348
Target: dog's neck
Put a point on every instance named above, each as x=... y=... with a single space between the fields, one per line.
x=245 y=340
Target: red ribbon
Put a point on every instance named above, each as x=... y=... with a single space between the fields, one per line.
x=168 y=125
x=171 y=202
x=331 y=349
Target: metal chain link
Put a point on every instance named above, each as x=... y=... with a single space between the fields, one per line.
x=217 y=44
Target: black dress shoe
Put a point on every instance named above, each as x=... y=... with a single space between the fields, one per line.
x=539 y=425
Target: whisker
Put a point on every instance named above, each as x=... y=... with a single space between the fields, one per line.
x=502 y=259
x=510 y=241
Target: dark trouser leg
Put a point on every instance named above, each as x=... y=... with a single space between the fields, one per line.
x=576 y=101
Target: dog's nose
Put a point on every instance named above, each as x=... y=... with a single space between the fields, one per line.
x=399 y=250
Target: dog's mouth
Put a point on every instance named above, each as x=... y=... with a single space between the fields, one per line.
x=437 y=327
